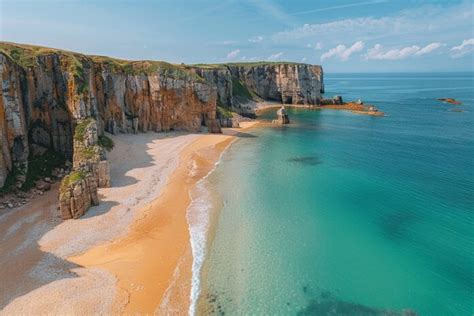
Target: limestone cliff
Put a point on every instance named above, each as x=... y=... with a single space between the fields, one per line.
x=288 y=83
x=46 y=92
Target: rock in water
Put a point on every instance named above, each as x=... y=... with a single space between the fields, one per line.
x=282 y=116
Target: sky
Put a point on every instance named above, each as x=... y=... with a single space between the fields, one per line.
x=341 y=35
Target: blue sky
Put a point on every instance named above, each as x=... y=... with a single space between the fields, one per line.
x=343 y=36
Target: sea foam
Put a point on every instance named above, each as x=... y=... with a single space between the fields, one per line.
x=198 y=218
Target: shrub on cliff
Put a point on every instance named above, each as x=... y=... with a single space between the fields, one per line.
x=106 y=142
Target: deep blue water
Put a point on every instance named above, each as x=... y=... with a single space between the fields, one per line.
x=351 y=213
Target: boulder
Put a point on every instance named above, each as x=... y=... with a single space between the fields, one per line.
x=42 y=185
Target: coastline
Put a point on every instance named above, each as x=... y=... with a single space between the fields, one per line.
x=153 y=262
x=94 y=264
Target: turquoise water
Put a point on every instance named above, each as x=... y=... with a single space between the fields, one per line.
x=344 y=214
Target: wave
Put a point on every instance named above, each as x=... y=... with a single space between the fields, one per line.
x=198 y=217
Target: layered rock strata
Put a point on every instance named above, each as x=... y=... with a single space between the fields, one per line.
x=239 y=84
x=90 y=171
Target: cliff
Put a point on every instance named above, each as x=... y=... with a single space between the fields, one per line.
x=45 y=93
x=240 y=84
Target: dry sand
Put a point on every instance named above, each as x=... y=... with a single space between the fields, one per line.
x=125 y=253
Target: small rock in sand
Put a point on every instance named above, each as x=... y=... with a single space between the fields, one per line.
x=42 y=185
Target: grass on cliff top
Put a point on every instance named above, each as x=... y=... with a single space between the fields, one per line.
x=244 y=64
x=145 y=67
x=25 y=56
x=70 y=180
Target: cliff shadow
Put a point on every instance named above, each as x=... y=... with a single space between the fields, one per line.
x=25 y=267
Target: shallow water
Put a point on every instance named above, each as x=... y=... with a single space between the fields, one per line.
x=350 y=213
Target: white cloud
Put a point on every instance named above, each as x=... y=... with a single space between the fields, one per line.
x=309 y=45
x=227 y=42
x=342 y=52
x=466 y=47
x=428 y=49
x=318 y=46
x=347 y=26
x=233 y=54
x=303 y=59
x=340 y=7
x=441 y=21
x=275 y=56
x=378 y=53
x=256 y=39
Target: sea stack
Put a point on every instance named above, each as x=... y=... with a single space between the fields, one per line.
x=282 y=116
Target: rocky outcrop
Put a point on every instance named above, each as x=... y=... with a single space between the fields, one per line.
x=90 y=171
x=282 y=117
x=289 y=83
x=45 y=92
x=221 y=77
x=239 y=85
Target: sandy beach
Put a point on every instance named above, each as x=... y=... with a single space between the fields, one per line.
x=130 y=254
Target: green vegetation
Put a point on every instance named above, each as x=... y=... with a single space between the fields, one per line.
x=81 y=127
x=240 y=90
x=38 y=168
x=71 y=179
x=42 y=166
x=106 y=142
x=84 y=153
x=243 y=64
x=146 y=67
x=25 y=56
x=9 y=184
x=224 y=112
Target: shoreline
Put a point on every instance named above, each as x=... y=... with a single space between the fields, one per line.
x=59 y=274
x=158 y=277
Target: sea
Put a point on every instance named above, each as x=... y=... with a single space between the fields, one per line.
x=345 y=214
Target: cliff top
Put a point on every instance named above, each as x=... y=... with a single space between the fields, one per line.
x=25 y=55
x=247 y=64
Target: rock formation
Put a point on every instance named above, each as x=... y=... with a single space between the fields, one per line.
x=45 y=93
x=282 y=116
x=238 y=84
x=90 y=170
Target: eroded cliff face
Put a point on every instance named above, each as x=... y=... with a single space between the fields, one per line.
x=286 y=82
x=45 y=92
x=239 y=84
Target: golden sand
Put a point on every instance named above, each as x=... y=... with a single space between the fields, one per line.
x=156 y=253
